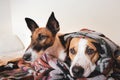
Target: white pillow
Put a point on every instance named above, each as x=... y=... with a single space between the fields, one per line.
x=10 y=43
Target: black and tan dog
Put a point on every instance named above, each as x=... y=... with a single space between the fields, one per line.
x=93 y=54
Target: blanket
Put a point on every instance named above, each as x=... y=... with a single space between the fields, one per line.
x=11 y=71
x=50 y=68
x=44 y=68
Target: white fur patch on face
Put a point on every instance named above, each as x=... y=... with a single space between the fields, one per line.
x=62 y=55
x=33 y=54
x=82 y=60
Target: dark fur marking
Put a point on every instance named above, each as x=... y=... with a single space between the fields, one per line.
x=117 y=53
x=41 y=37
x=98 y=47
x=39 y=47
x=62 y=40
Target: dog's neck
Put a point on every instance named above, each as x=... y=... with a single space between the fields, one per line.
x=57 y=50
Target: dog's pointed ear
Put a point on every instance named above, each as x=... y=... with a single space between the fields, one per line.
x=53 y=24
x=32 y=25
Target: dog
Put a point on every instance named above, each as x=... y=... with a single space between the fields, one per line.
x=44 y=41
x=42 y=38
x=92 y=54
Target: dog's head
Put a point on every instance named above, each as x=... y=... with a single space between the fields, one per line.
x=83 y=55
x=41 y=38
x=89 y=51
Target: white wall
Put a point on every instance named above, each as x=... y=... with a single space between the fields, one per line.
x=5 y=17
x=100 y=15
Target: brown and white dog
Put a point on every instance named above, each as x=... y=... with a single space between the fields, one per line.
x=43 y=38
x=93 y=54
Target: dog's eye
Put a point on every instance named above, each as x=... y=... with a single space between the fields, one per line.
x=41 y=37
x=72 y=50
x=89 y=51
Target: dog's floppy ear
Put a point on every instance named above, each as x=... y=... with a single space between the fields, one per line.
x=66 y=38
x=53 y=24
x=117 y=55
x=65 y=41
x=32 y=25
x=98 y=47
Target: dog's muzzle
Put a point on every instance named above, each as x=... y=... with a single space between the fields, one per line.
x=27 y=57
x=77 y=71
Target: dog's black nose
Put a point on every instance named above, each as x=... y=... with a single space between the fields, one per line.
x=77 y=71
x=27 y=57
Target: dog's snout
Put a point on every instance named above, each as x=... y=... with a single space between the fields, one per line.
x=27 y=57
x=77 y=71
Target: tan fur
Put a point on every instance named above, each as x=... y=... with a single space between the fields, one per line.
x=55 y=49
x=94 y=57
x=48 y=40
x=74 y=44
x=42 y=31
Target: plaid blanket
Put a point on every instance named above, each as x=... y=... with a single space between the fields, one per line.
x=44 y=68
x=11 y=71
x=49 y=68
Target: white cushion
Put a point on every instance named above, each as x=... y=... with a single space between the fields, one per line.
x=10 y=56
x=10 y=43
